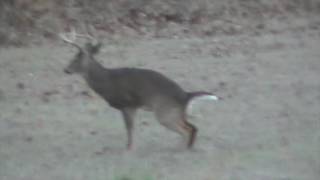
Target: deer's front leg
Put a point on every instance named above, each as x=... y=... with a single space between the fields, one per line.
x=128 y=117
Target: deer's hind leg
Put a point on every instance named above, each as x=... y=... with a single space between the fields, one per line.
x=174 y=118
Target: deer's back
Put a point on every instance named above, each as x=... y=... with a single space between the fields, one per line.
x=134 y=87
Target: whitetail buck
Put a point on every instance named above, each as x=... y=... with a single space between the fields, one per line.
x=128 y=89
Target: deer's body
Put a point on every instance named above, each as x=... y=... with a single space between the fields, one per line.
x=134 y=88
x=128 y=89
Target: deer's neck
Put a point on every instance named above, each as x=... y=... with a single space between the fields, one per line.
x=95 y=71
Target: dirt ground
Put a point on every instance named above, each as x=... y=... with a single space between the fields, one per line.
x=267 y=127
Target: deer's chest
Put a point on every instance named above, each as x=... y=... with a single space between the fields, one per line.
x=116 y=96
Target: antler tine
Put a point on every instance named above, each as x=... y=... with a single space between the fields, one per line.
x=70 y=41
x=88 y=34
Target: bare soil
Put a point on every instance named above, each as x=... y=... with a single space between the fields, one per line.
x=267 y=127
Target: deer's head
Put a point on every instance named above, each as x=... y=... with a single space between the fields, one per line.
x=84 y=57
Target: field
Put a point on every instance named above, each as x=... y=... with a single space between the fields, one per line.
x=267 y=127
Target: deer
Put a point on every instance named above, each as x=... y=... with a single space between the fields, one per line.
x=129 y=89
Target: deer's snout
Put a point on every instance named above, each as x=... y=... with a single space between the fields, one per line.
x=67 y=71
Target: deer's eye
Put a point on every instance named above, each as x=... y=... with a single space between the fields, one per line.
x=79 y=55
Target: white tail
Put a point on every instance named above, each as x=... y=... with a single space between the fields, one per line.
x=198 y=98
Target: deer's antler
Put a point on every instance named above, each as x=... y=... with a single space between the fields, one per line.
x=70 y=40
x=73 y=36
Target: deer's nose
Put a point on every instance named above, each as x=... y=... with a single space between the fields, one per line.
x=67 y=71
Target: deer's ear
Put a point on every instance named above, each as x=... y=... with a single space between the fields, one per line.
x=93 y=48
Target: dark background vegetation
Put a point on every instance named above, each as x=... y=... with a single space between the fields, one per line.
x=24 y=20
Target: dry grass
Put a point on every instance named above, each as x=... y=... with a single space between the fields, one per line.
x=23 y=20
